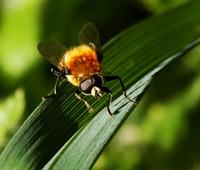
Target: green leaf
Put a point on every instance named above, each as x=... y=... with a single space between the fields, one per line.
x=61 y=134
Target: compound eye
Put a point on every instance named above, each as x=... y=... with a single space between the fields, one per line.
x=86 y=86
x=97 y=80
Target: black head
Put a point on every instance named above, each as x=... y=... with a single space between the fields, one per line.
x=92 y=85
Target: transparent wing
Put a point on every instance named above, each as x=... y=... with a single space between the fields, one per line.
x=89 y=34
x=52 y=51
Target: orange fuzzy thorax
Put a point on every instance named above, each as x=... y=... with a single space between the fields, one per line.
x=82 y=62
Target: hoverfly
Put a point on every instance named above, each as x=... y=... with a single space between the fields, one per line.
x=80 y=65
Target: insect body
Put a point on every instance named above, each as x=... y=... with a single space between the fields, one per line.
x=81 y=65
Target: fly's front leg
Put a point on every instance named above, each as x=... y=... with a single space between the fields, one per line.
x=110 y=78
x=58 y=74
x=108 y=91
x=78 y=95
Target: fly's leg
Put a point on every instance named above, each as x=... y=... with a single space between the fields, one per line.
x=110 y=78
x=58 y=74
x=108 y=91
x=78 y=96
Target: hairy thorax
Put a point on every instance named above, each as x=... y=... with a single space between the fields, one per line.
x=81 y=62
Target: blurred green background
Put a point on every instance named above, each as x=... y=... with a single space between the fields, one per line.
x=163 y=131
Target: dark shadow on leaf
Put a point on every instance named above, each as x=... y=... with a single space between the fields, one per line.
x=53 y=136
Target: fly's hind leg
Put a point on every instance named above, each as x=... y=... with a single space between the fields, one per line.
x=58 y=74
x=78 y=96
